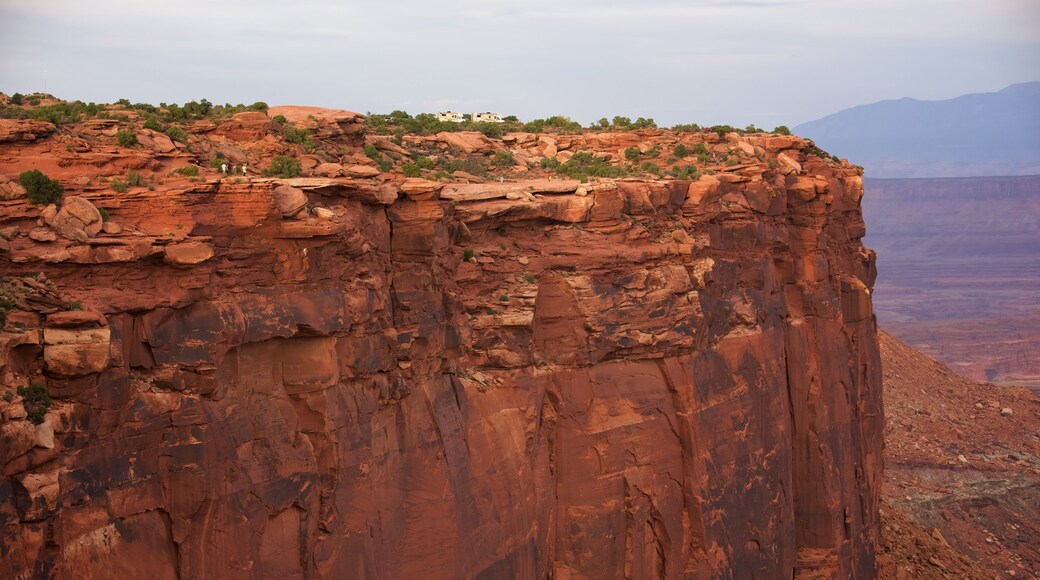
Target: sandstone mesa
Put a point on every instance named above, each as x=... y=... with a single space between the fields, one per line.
x=354 y=373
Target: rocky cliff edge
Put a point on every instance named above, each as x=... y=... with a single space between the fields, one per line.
x=355 y=373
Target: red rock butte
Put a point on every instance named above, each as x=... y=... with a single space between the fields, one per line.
x=354 y=374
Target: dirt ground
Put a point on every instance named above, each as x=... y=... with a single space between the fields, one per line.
x=962 y=473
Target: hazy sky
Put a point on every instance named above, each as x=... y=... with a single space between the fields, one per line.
x=763 y=61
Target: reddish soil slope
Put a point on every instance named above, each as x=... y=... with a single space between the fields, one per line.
x=962 y=473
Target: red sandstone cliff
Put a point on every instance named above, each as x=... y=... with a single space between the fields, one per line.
x=533 y=378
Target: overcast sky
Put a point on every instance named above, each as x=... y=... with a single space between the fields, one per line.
x=766 y=62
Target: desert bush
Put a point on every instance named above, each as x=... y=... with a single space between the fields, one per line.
x=467 y=255
x=177 y=134
x=188 y=171
x=126 y=138
x=782 y=130
x=685 y=172
x=17 y=98
x=301 y=137
x=584 y=165
x=410 y=169
x=503 y=159
x=681 y=150
x=633 y=154
x=153 y=124
x=687 y=128
x=36 y=401
x=283 y=166
x=134 y=179
x=651 y=167
x=40 y=188
x=118 y=185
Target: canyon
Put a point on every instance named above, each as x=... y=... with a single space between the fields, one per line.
x=355 y=373
x=958 y=271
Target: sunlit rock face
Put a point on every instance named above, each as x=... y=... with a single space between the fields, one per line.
x=544 y=378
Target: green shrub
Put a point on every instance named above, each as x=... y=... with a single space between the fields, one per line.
x=700 y=148
x=681 y=151
x=134 y=179
x=259 y=106
x=104 y=214
x=40 y=188
x=153 y=124
x=118 y=186
x=468 y=255
x=503 y=159
x=503 y=298
x=8 y=396
x=411 y=170
x=782 y=130
x=301 y=137
x=17 y=99
x=687 y=128
x=633 y=154
x=529 y=279
x=492 y=130
x=651 y=167
x=685 y=172
x=177 y=134
x=188 y=170
x=582 y=166
x=126 y=138
x=283 y=166
x=280 y=118
x=36 y=400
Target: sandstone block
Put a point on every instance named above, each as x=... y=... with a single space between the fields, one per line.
x=77 y=220
x=76 y=360
x=43 y=235
x=187 y=253
x=76 y=319
x=289 y=200
x=788 y=166
x=10 y=189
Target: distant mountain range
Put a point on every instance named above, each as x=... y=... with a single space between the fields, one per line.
x=983 y=134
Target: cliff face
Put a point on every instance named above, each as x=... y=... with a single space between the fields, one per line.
x=659 y=378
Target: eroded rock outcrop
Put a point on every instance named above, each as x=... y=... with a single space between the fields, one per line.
x=656 y=379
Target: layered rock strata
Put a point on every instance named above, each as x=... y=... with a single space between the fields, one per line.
x=646 y=379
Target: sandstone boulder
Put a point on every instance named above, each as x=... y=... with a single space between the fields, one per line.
x=788 y=165
x=328 y=169
x=77 y=220
x=361 y=171
x=187 y=253
x=418 y=188
x=42 y=235
x=289 y=200
x=14 y=130
x=324 y=213
x=10 y=189
x=78 y=352
x=76 y=319
x=467 y=141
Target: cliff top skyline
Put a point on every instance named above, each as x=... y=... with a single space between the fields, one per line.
x=767 y=62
